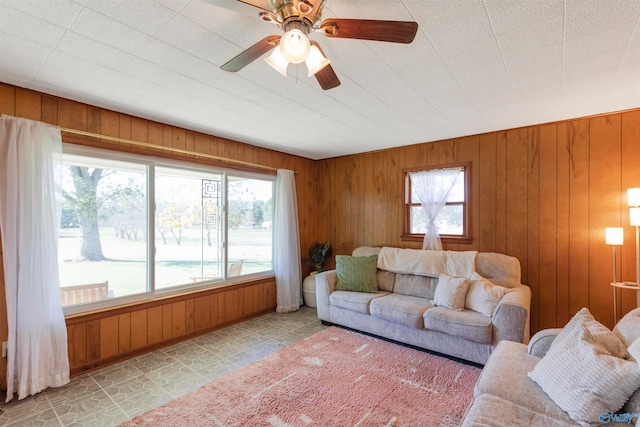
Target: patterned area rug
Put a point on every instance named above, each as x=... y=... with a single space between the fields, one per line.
x=333 y=378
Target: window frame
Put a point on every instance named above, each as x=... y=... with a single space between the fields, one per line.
x=466 y=236
x=151 y=162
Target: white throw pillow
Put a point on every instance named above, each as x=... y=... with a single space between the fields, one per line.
x=584 y=372
x=483 y=296
x=451 y=292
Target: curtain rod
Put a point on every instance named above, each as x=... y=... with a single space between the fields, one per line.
x=162 y=147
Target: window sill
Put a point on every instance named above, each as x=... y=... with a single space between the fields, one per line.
x=139 y=301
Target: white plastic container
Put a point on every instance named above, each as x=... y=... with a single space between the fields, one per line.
x=309 y=290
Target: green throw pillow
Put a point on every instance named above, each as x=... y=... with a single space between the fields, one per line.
x=357 y=273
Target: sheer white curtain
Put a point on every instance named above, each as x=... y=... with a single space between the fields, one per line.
x=286 y=242
x=433 y=188
x=30 y=159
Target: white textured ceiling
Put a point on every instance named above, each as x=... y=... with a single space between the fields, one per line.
x=475 y=66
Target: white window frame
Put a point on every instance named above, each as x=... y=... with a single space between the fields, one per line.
x=151 y=163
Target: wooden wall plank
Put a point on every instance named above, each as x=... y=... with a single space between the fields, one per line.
x=548 y=227
x=155 y=325
x=109 y=336
x=27 y=104
x=72 y=114
x=340 y=204
x=501 y=192
x=469 y=151
x=49 y=109
x=77 y=344
x=93 y=340
x=369 y=200
x=7 y=99
x=630 y=178
x=380 y=198
x=139 y=329
x=486 y=197
x=124 y=332
x=604 y=198
x=167 y=322
x=202 y=312
x=362 y=196
x=189 y=316
x=231 y=306
x=533 y=222
x=178 y=318
x=579 y=215
x=516 y=198
x=562 y=224
x=395 y=193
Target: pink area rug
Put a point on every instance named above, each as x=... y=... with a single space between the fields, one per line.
x=333 y=378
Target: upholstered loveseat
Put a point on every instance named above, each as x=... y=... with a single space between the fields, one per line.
x=402 y=308
x=583 y=382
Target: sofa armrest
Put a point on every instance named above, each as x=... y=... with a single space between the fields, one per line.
x=511 y=317
x=541 y=341
x=325 y=284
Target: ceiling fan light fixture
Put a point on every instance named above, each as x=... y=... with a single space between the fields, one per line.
x=294 y=46
x=277 y=61
x=316 y=61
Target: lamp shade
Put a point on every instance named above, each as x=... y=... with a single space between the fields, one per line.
x=316 y=61
x=614 y=236
x=633 y=196
x=277 y=61
x=634 y=216
x=295 y=46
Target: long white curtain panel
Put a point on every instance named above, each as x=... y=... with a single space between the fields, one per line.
x=30 y=162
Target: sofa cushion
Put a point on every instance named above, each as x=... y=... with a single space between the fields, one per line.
x=491 y=411
x=403 y=309
x=415 y=286
x=502 y=270
x=505 y=376
x=451 y=292
x=386 y=280
x=628 y=328
x=465 y=324
x=584 y=371
x=354 y=301
x=357 y=274
x=483 y=296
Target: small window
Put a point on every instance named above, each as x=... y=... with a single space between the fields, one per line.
x=453 y=219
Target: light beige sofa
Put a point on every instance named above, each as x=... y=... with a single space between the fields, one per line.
x=402 y=309
x=505 y=396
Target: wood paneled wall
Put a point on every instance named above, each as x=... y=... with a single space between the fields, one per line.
x=110 y=335
x=96 y=339
x=543 y=194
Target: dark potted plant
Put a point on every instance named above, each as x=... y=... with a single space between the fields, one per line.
x=317 y=254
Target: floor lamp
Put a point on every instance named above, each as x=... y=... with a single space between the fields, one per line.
x=614 y=237
x=633 y=200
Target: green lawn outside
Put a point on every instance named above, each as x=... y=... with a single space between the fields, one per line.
x=176 y=264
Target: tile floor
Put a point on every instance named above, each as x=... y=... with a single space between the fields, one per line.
x=112 y=395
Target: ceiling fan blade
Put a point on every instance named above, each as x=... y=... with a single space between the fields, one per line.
x=249 y=55
x=365 y=29
x=326 y=76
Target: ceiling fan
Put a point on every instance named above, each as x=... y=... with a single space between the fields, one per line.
x=298 y=18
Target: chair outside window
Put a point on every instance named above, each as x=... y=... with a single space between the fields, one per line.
x=84 y=293
x=235 y=269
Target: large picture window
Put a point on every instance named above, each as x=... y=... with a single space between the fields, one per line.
x=132 y=227
x=452 y=220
